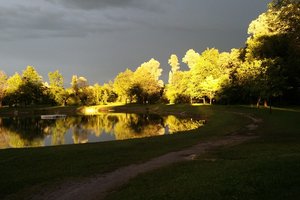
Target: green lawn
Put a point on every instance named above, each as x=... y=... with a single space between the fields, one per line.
x=266 y=168
x=23 y=168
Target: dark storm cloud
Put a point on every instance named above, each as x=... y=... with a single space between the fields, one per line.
x=57 y=18
x=154 y=5
x=94 y=4
x=34 y=22
x=100 y=38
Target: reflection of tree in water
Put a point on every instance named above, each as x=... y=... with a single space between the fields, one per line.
x=182 y=124
x=58 y=131
x=80 y=134
x=16 y=141
x=137 y=126
x=23 y=132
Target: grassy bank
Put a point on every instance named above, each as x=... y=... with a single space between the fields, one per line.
x=161 y=109
x=266 y=168
x=38 y=167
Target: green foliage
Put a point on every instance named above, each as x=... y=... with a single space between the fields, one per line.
x=122 y=85
x=270 y=60
x=3 y=86
x=31 y=75
x=141 y=86
x=56 y=87
x=207 y=74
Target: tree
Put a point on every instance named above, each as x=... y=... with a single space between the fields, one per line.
x=13 y=84
x=3 y=86
x=176 y=89
x=209 y=63
x=32 y=90
x=146 y=87
x=275 y=39
x=31 y=75
x=122 y=85
x=80 y=91
x=107 y=93
x=56 y=87
x=56 y=79
x=175 y=66
x=210 y=86
x=97 y=92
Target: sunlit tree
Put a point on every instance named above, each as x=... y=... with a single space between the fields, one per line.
x=56 y=86
x=3 y=86
x=80 y=91
x=147 y=87
x=176 y=90
x=210 y=86
x=274 y=39
x=122 y=85
x=175 y=66
x=208 y=64
x=31 y=75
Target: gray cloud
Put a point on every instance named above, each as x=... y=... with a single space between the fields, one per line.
x=42 y=20
x=154 y=5
x=93 y=4
x=35 y=22
x=99 y=38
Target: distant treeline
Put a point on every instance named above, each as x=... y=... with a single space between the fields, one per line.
x=266 y=69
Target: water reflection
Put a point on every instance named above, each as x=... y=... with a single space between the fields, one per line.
x=33 y=132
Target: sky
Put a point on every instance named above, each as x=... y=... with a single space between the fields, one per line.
x=98 y=39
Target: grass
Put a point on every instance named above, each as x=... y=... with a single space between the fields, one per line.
x=29 y=167
x=266 y=168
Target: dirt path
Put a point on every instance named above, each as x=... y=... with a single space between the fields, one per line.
x=99 y=186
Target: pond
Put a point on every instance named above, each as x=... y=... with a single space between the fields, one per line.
x=19 y=132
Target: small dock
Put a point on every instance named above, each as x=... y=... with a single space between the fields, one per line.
x=56 y=116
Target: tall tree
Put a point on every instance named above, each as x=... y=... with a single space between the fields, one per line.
x=147 y=87
x=32 y=90
x=122 y=85
x=3 y=86
x=208 y=64
x=175 y=66
x=177 y=87
x=56 y=86
x=31 y=75
x=274 y=39
x=56 y=79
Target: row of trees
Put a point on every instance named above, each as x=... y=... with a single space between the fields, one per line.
x=29 y=88
x=268 y=67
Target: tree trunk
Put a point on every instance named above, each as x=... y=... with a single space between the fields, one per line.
x=270 y=105
x=258 y=102
x=265 y=103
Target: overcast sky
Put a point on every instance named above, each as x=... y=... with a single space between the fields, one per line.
x=98 y=39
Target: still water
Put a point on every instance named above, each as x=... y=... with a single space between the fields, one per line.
x=35 y=132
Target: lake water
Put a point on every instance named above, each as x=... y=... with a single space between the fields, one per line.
x=35 y=132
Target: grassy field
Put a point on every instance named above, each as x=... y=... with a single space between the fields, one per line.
x=267 y=168
x=225 y=177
